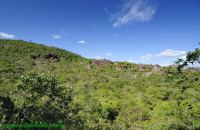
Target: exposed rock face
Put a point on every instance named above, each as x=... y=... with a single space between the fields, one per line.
x=142 y=67
x=101 y=62
x=156 y=67
x=51 y=57
x=47 y=57
x=173 y=66
x=194 y=68
x=6 y=46
x=88 y=67
x=33 y=57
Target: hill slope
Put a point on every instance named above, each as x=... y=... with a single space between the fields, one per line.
x=100 y=94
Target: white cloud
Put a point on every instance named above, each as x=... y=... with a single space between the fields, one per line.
x=146 y=57
x=165 y=53
x=109 y=54
x=183 y=57
x=56 y=36
x=82 y=41
x=98 y=57
x=165 y=64
x=130 y=61
x=6 y=36
x=171 y=53
x=134 y=11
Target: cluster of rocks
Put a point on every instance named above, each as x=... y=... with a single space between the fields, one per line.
x=101 y=62
x=48 y=57
x=156 y=67
x=143 y=67
x=52 y=57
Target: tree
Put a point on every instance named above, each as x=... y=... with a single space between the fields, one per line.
x=40 y=98
x=191 y=58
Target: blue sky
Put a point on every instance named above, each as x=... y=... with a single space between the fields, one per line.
x=139 y=31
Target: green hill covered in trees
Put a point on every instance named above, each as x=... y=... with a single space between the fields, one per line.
x=47 y=84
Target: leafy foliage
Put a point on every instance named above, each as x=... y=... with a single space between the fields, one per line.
x=191 y=58
x=47 y=84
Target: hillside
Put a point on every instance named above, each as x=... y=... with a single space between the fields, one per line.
x=47 y=84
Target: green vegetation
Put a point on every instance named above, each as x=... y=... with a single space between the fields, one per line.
x=47 y=84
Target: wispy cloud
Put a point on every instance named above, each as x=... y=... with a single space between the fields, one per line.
x=166 y=53
x=6 y=36
x=98 y=57
x=171 y=53
x=56 y=36
x=183 y=57
x=167 y=64
x=146 y=57
x=109 y=54
x=134 y=11
x=130 y=61
x=93 y=26
x=82 y=41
